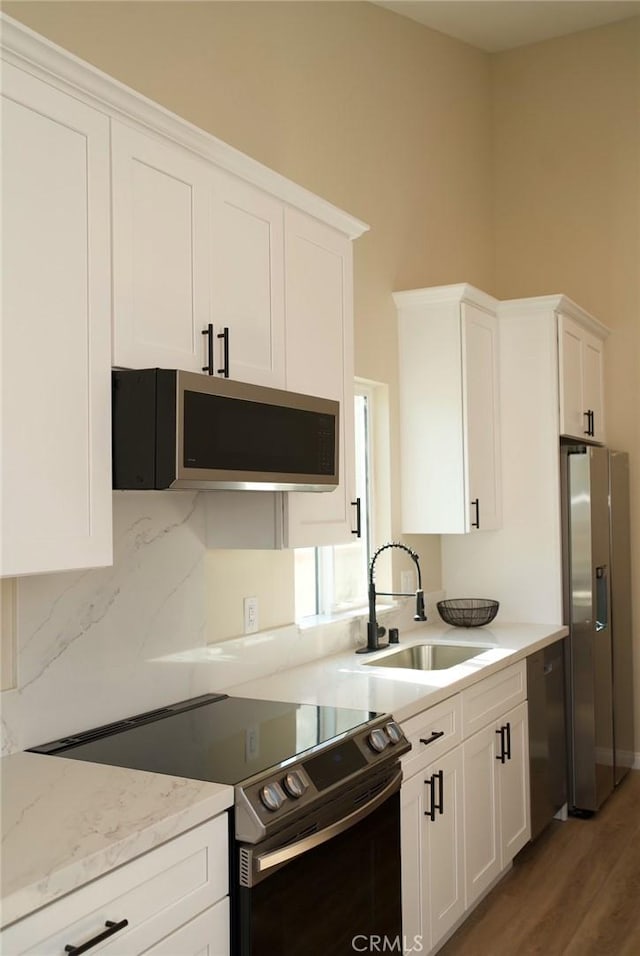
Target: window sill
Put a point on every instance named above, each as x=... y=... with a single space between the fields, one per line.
x=362 y=612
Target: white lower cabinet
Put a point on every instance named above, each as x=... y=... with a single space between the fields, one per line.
x=496 y=798
x=465 y=803
x=173 y=899
x=204 y=935
x=432 y=850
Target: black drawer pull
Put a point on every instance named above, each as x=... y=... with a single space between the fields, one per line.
x=105 y=934
x=434 y=736
x=507 y=752
x=208 y=368
x=502 y=756
x=224 y=335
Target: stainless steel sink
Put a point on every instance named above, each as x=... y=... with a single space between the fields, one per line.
x=430 y=657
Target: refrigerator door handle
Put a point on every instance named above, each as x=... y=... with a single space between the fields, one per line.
x=602 y=598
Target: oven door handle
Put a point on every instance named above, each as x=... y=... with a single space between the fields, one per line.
x=265 y=861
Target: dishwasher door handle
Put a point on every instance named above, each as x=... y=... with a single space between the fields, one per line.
x=266 y=861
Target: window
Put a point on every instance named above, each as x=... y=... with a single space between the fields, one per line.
x=333 y=579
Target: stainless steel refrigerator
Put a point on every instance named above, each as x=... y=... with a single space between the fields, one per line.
x=597 y=602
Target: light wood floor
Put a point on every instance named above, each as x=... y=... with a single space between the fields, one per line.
x=575 y=891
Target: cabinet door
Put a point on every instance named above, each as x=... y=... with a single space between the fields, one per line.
x=433 y=894
x=482 y=839
x=573 y=421
x=592 y=383
x=445 y=846
x=319 y=361
x=160 y=253
x=514 y=785
x=56 y=378
x=415 y=867
x=247 y=281
x=581 y=381
x=482 y=418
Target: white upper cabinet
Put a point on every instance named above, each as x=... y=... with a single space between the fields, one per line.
x=449 y=410
x=319 y=361
x=56 y=297
x=161 y=243
x=132 y=238
x=198 y=265
x=247 y=282
x=580 y=355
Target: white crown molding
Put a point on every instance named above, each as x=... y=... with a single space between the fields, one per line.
x=560 y=304
x=39 y=56
x=437 y=295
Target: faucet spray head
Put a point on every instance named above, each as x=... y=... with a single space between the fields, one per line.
x=420 y=612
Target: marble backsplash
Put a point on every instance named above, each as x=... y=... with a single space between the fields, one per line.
x=89 y=643
x=98 y=645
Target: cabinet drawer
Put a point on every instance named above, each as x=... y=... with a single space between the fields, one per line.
x=205 y=935
x=155 y=893
x=491 y=697
x=431 y=734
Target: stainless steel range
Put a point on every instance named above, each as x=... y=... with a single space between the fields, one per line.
x=315 y=863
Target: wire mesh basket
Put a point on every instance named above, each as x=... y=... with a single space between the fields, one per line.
x=468 y=612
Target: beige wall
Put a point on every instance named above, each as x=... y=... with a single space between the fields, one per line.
x=567 y=207
x=383 y=118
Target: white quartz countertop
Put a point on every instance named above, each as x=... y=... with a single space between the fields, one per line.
x=65 y=822
x=347 y=679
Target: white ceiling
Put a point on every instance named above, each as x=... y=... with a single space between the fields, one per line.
x=495 y=25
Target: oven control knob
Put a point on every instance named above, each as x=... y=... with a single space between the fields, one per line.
x=272 y=796
x=294 y=784
x=378 y=740
x=393 y=732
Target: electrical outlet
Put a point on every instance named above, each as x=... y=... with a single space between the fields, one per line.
x=250 y=615
x=408 y=582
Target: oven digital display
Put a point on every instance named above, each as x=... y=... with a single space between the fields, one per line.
x=335 y=764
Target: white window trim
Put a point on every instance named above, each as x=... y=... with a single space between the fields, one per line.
x=377 y=438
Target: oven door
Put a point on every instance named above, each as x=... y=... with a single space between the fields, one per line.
x=332 y=892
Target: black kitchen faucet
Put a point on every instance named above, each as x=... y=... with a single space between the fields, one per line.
x=374 y=630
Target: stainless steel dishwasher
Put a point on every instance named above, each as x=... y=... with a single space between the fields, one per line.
x=547 y=735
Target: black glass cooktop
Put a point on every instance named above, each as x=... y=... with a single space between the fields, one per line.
x=216 y=738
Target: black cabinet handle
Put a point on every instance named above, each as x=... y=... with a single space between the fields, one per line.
x=507 y=750
x=439 y=806
x=502 y=756
x=358 y=528
x=590 y=430
x=105 y=934
x=476 y=504
x=431 y=812
x=434 y=736
x=224 y=335
x=208 y=368
x=435 y=805
x=593 y=423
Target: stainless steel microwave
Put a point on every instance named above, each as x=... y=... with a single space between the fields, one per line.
x=176 y=429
